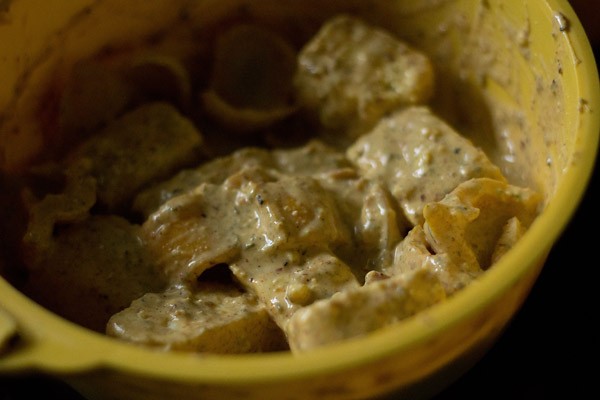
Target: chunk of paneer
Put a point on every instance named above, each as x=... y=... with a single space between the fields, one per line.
x=359 y=311
x=292 y=212
x=420 y=158
x=415 y=253
x=193 y=232
x=93 y=269
x=351 y=73
x=466 y=232
x=288 y=281
x=469 y=222
x=287 y=259
x=142 y=146
x=210 y=318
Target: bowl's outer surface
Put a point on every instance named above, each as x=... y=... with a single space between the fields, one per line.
x=528 y=64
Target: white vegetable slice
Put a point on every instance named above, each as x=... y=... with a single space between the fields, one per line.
x=251 y=86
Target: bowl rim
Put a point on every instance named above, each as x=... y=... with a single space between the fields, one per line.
x=50 y=334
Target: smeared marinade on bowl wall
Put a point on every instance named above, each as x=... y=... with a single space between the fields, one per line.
x=478 y=311
x=152 y=177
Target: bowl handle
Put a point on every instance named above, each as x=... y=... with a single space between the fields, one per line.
x=25 y=346
x=8 y=330
x=16 y=354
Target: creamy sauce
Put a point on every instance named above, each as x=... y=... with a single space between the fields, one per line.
x=381 y=210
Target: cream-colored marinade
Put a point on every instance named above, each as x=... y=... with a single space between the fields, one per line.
x=383 y=209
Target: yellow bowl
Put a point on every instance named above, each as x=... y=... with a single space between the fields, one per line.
x=524 y=70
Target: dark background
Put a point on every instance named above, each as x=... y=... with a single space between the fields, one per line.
x=548 y=350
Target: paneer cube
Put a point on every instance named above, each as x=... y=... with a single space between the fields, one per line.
x=415 y=253
x=289 y=281
x=93 y=269
x=469 y=223
x=193 y=232
x=212 y=318
x=144 y=145
x=466 y=232
x=350 y=74
x=420 y=158
x=295 y=212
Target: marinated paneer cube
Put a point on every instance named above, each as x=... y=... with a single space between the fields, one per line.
x=466 y=232
x=210 y=318
x=358 y=311
x=469 y=223
x=93 y=269
x=144 y=145
x=414 y=253
x=350 y=74
x=193 y=232
x=292 y=212
x=420 y=158
x=288 y=281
